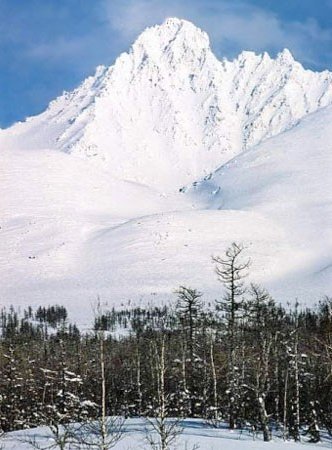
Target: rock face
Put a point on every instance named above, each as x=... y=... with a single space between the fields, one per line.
x=169 y=112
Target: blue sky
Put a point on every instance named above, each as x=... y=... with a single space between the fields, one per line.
x=47 y=46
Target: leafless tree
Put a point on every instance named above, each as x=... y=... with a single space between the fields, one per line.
x=164 y=429
x=232 y=270
x=105 y=431
x=56 y=437
x=189 y=307
x=261 y=309
x=2 y=436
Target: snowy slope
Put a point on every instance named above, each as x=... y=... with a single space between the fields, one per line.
x=288 y=180
x=169 y=112
x=51 y=204
x=276 y=198
x=90 y=188
x=73 y=232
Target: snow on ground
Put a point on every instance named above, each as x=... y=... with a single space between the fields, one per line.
x=53 y=205
x=195 y=432
x=90 y=189
x=288 y=180
x=73 y=232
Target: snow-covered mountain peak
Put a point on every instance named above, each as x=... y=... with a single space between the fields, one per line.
x=176 y=42
x=285 y=57
x=173 y=33
x=168 y=112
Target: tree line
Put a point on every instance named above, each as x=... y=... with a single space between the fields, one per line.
x=246 y=360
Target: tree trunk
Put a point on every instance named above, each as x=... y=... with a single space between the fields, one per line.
x=103 y=395
x=138 y=382
x=285 y=406
x=296 y=431
x=214 y=381
x=264 y=419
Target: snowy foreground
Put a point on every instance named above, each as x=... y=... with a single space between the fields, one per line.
x=194 y=433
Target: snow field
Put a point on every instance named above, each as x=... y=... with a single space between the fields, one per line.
x=195 y=432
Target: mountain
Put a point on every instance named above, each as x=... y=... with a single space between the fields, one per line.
x=125 y=187
x=169 y=112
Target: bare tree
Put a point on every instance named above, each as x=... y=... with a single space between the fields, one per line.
x=104 y=432
x=2 y=436
x=292 y=419
x=213 y=418
x=189 y=307
x=56 y=437
x=285 y=406
x=261 y=317
x=164 y=429
x=214 y=379
x=231 y=270
x=296 y=370
x=100 y=434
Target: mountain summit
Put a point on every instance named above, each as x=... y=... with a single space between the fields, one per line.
x=174 y=39
x=169 y=112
